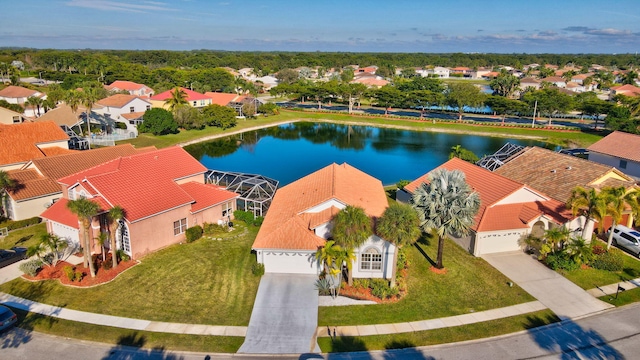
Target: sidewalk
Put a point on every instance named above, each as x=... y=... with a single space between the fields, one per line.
x=613 y=288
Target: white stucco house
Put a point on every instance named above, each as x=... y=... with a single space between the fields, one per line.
x=620 y=150
x=509 y=210
x=299 y=222
x=127 y=109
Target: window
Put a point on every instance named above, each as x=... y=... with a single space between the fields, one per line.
x=623 y=164
x=195 y=103
x=226 y=209
x=179 y=226
x=16 y=119
x=132 y=109
x=202 y=102
x=371 y=260
x=148 y=107
x=72 y=194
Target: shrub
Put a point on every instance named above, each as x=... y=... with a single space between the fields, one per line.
x=324 y=286
x=402 y=183
x=19 y=224
x=380 y=288
x=78 y=276
x=68 y=271
x=361 y=283
x=31 y=267
x=121 y=125
x=258 y=221
x=561 y=261
x=257 y=269
x=598 y=250
x=403 y=262
x=244 y=216
x=611 y=260
x=193 y=233
x=106 y=265
x=123 y=256
x=209 y=228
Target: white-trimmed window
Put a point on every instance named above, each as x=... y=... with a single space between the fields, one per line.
x=227 y=209
x=72 y=193
x=371 y=259
x=132 y=109
x=179 y=226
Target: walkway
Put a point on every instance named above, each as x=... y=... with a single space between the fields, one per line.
x=284 y=317
x=563 y=297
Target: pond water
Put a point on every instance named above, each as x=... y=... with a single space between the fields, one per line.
x=291 y=151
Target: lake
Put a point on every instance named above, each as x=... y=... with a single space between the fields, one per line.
x=291 y=151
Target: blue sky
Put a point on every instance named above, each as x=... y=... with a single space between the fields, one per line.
x=558 y=26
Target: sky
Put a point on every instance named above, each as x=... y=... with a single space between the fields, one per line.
x=488 y=26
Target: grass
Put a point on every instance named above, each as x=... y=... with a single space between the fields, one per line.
x=439 y=336
x=24 y=237
x=123 y=337
x=470 y=284
x=563 y=138
x=624 y=297
x=205 y=282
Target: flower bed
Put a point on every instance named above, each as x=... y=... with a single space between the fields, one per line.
x=58 y=273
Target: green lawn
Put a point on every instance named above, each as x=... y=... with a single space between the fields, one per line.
x=470 y=284
x=624 y=297
x=205 y=282
x=23 y=237
x=439 y=336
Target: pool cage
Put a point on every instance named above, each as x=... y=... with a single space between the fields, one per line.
x=494 y=161
x=256 y=191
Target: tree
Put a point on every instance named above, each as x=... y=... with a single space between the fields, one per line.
x=617 y=199
x=6 y=184
x=351 y=228
x=388 y=96
x=334 y=257
x=505 y=84
x=34 y=102
x=351 y=93
x=504 y=106
x=550 y=101
x=630 y=78
x=73 y=98
x=219 y=116
x=464 y=154
x=178 y=98
x=447 y=205
x=287 y=76
x=588 y=203
x=188 y=118
x=619 y=118
x=49 y=249
x=89 y=98
x=102 y=239
x=459 y=95
x=589 y=104
x=114 y=216
x=85 y=210
x=424 y=99
x=400 y=225
x=158 y=121
x=554 y=240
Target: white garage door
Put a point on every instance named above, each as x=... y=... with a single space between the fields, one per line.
x=497 y=244
x=66 y=232
x=289 y=262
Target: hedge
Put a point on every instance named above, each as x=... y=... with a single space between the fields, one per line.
x=19 y=224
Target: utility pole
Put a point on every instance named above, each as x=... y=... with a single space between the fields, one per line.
x=535 y=107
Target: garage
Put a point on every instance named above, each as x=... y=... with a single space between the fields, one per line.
x=291 y=262
x=65 y=232
x=498 y=241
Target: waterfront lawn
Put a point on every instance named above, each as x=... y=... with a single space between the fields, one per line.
x=204 y=282
x=439 y=336
x=24 y=237
x=470 y=285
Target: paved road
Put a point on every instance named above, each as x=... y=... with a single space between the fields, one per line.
x=563 y=297
x=285 y=316
x=614 y=334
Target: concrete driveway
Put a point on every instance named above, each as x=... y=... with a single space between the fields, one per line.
x=285 y=316
x=563 y=297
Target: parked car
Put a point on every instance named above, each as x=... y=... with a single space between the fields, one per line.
x=626 y=238
x=8 y=257
x=7 y=317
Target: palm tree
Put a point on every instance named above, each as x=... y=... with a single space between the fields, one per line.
x=446 y=205
x=48 y=245
x=400 y=225
x=617 y=199
x=334 y=257
x=85 y=209
x=178 y=98
x=351 y=228
x=102 y=239
x=6 y=184
x=589 y=203
x=89 y=98
x=34 y=102
x=73 y=98
x=114 y=216
x=555 y=238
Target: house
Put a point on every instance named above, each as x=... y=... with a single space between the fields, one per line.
x=299 y=222
x=620 y=150
x=21 y=143
x=558 y=174
x=627 y=90
x=162 y=193
x=234 y=101
x=580 y=78
x=131 y=87
x=529 y=82
x=370 y=80
x=37 y=186
x=8 y=117
x=194 y=99
x=556 y=81
x=367 y=69
x=441 y=72
x=480 y=73
x=127 y=109
x=509 y=210
x=19 y=95
x=460 y=71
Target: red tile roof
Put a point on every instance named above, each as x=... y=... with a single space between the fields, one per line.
x=627 y=89
x=18 y=142
x=118 y=100
x=191 y=95
x=133 y=115
x=287 y=225
x=125 y=85
x=619 y=144
x=60 y=213
x=17 y=92
x=207 y=195
x=224 y=99
x=31 y=184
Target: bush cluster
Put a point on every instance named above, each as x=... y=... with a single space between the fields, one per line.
x=611 y=260
x=31 y=267
x=561 y=260
x=257 y=269
x=380 y=288
x=248 y=218
x=19 y=224
x=122 y=256
x=193 y=233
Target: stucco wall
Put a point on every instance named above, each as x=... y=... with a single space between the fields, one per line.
x=489 y=242
x=199 y=178
x=156 y=232
x=633 y=168
x=212 y=215
x=521 y=196
x=385 y=248
x=32 y=207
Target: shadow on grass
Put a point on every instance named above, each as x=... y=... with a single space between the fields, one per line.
x=129 y=347
x=24 y=239
x=21 y=333
x=571 y=341
x=424 y=254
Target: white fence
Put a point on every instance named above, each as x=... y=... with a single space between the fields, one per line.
x=110 y=139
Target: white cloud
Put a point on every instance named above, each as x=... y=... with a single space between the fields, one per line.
x=144 y=6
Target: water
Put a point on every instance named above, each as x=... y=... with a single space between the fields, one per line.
x=289 y=152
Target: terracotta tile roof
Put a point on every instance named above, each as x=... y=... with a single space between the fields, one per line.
x=224 y=99
x=316 y=219
x=206 y=195
x=133 y=181
x=284 y=228
x=31 y=184
x=553 y=173
x=118 y=100
x=518 y=215
x=627 y=89
x=18 y=142
x=371 y=81
x=62 y=115
x=133 y=115
x=58 y=212
x=17 y=92
x=619 y=144
x=553 y=79
x=125 y=85
x=191 y=95
x=529 y=80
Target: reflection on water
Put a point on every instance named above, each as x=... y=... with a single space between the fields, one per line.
x=290 y=151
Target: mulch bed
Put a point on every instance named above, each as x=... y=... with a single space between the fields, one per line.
x=102 y=275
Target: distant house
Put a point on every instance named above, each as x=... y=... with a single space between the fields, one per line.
x=19 y=95
x=162 y=193
x=479 y=73
x=233 y=101
x=366 y=69
x=627 y=90
x=509 y=210
x=127 y=109
x=529 y=82
x=8 y=117
x=130 y=86
x=460 y=71
x=194 y=99
x=21 y=143
x=441 y=72
x=370 y=80
x=299 y=222
x=580 y=78
x=37 y=180
x=620 y=150
x=556 y=81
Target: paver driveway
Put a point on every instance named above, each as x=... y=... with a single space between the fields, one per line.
x=563 y=297
x=284 y=317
